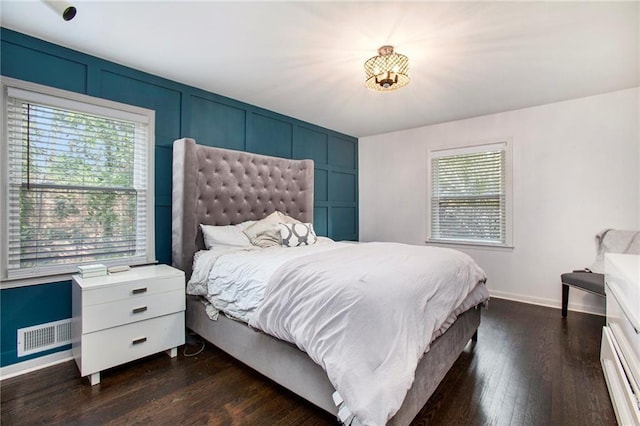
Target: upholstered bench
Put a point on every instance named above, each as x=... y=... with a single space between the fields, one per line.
x=587 y=281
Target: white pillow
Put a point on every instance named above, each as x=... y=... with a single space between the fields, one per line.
x=229 y=235
x=265 y=232
x=297 y=234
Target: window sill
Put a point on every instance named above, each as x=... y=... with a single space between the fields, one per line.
x=26 y=282
x=471 y=244
x=6 y=283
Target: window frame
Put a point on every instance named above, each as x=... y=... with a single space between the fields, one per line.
x=89 y=105
x=506 y=143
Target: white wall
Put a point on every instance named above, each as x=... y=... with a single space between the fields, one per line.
x=575 y=172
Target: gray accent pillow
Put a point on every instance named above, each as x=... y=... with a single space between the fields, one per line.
x=297 y=234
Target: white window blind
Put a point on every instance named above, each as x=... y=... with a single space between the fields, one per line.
x=469 y=195
x=78 y=187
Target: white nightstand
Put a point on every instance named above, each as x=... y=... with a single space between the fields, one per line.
x=124 y=316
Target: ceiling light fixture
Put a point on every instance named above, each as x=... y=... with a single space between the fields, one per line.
x=387 y=71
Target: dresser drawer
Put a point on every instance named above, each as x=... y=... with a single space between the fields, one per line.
x=627 y=337
x=114 y=346
x=120 y=312
x=131 y=290
x=622 y=397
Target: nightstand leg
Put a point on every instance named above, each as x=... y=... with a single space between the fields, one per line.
x=173 y=352
x=95 y=378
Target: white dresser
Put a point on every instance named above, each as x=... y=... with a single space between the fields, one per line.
x=620 y=352
x=125 y=316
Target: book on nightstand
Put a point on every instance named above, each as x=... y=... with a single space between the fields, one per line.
x=94 y=270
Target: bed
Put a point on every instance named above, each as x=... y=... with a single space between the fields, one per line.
x=223 y=187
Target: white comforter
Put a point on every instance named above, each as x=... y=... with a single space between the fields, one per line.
x=234 y=279
x=366 y=313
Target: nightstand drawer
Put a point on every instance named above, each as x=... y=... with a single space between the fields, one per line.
x=107 y=315
x=114 y=346
x=131 y=290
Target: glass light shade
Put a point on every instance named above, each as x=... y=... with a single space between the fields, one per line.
x=387 y=71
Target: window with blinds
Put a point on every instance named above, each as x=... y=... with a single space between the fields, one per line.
x=469 y=195
x=79 y=183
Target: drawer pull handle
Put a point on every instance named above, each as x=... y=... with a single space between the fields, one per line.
x=139 y=290
x=139 y=310
x=140 y=340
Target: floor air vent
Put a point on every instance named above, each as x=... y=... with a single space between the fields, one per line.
x=44 y=336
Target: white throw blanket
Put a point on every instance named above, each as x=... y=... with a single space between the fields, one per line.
x=614 y=241
x=366 y=313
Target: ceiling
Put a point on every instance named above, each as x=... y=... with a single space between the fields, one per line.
x=305 y=59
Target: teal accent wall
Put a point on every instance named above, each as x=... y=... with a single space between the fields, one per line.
x=181 y=111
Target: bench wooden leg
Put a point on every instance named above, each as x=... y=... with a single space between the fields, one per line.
x=565 y=299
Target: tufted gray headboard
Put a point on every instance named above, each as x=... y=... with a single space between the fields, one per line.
x=215 y=186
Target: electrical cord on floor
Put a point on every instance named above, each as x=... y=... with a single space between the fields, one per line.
x=184 y=352
x=192 y=340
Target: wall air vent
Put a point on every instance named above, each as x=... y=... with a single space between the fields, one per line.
x=41 y=337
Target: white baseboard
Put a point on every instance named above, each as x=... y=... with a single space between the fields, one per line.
x=35 y=364
x=550 y=303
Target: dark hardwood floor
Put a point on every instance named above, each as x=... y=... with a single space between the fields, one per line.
x=529 y=367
